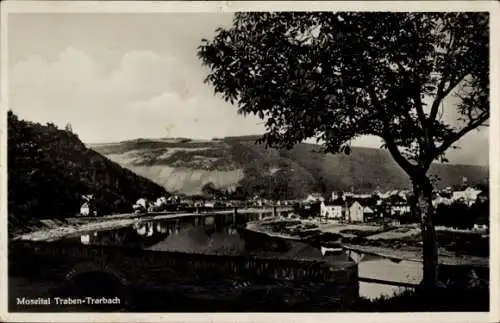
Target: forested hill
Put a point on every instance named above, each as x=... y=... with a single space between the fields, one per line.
x=185 y=166
x=49 y=170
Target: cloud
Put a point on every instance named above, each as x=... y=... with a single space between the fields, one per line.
x=146 y=95
x=146 y=92
x=193 y=117
x=143 y=74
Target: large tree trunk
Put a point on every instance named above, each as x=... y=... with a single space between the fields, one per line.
x=423 y=208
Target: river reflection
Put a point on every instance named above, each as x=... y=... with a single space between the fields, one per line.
x=225 y=234
x=219 y=234
x=385 y=269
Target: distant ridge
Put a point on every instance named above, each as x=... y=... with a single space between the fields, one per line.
x=185 y=166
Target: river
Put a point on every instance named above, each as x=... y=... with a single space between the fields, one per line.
x=225 y=234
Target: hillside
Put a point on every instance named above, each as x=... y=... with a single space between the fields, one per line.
x=50 y=169
x=185 y=166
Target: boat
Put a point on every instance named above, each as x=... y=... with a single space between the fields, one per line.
x=331 y=250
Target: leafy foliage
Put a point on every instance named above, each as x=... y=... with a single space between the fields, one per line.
x=461 y=216
x=51 y=169
x=444 y=300
x=336 y=76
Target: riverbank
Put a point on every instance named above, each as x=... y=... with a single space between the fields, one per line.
x=59 y=231
x=396 y=243
x=53 y=229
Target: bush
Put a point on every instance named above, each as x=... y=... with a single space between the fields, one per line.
x=442 y=300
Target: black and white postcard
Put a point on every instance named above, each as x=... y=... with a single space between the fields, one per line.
x=208 y=161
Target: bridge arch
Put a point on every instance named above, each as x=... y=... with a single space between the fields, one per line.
x=92 y=279
x=99 y=268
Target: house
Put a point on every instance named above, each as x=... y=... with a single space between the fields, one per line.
x=442 y=198
x=384 y=195
x=308 y=210
x=343 y=195
x=368 y=212
x=141 y=205
x=400 y=209
x=159 y=205
x=314 y=197
x=480 y=227
x=333 y=209
x=209 y=204
x=161 y=201
x=356 y=212
x=469 y=195
x=398 y=205
x=142 y=202
x=85 y=209
x=335 y=196
x=85 y=239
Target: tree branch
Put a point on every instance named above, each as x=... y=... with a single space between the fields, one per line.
x=388 y=137
x=415 y=92
x=454 y=83
x=418 y=105
x=416 y=95
x=457 y=135
x=442 y=92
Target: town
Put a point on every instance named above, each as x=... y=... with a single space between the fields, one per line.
x=465 y=207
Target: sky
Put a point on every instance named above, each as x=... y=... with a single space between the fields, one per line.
x=115 y=77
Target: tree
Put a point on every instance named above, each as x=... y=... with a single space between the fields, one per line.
x=208 y=190
x=336 y=76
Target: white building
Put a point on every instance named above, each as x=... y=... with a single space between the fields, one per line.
x=480 y=227
x=161 y=201
x=469 y=195
x=141 y=205
x=356 y=212
x=210 y=204
x=142 y=202
x=332 y=210
x=441 y=200
x=384 y=195
x=400 y=209
x=314 y=197
x=85 y=209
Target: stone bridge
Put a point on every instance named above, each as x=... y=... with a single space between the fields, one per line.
x=135 y=274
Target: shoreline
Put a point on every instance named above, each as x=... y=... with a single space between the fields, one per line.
x=373 y=242
x=54 y=229
x=403 y=253
x=56 y=233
